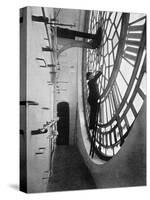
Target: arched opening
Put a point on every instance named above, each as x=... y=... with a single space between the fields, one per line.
x=63 y=123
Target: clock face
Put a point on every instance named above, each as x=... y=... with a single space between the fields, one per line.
x=122 y=59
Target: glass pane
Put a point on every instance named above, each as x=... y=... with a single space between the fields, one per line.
x=126 y=70
x=130 y=117
x=112 y=138
x=109 y=152
x=138 y=101
x=116 y=149
x=121 y=84
x=123 y=125
x=135 y=16
x=143 y=84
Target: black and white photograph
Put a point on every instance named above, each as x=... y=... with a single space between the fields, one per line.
x=82 y=99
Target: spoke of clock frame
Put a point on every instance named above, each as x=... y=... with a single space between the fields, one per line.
x=118 y=91
x=119 y=21
x=105 y=77
x=110 y=138
x=111 y=117
x=106 y=111
x=115 y=136
x=97 y=129
x=126 y=122
x=108 y=67
x=116 y=107
x=107 y=53
x=127 y=60
x=100 y=84
x=102 y=139
x=92 y=19
x=100 y=119
x=110 y=109
x=103 y=68
x=106 y=140
x=141 y=93
x=133 y=110
x=116 y=96
x=123 y=77
x=119 y=100
x=113 y=107
x=102 y=112
x=113 y=51
x=113 y=103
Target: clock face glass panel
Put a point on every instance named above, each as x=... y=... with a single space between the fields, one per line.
x=104 y=57
x=121 y=58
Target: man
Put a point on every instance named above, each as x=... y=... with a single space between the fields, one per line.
x=93 y=97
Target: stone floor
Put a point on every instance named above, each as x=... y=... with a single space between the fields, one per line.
x=70 y=172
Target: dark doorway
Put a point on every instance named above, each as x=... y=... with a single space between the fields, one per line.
x=63 y=123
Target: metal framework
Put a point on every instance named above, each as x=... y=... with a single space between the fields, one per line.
x=122 y=59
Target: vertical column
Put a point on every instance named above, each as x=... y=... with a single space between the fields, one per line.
x=23 y=139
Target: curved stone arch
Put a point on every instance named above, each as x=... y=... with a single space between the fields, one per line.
x=74 y=43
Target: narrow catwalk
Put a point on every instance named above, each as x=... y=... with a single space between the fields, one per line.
x=70 y=172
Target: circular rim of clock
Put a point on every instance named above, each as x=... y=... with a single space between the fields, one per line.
x=130 y=46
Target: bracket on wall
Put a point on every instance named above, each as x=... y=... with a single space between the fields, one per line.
x=39 y=131
x=45 y=64
x=30 y=103
x=70 y=43
x=47 y=49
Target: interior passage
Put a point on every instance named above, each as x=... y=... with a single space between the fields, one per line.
x=70 y=172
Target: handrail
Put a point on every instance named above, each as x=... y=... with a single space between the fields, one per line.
x=45 y=127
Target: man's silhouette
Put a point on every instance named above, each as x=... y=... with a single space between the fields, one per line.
x=93 y=97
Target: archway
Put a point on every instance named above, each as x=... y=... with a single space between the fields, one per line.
x=63 y=123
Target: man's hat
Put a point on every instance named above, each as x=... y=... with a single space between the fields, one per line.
x=89 y=75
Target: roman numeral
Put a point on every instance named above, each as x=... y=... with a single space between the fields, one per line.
x=136 y=28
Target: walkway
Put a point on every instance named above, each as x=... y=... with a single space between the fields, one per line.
x=70 y=172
